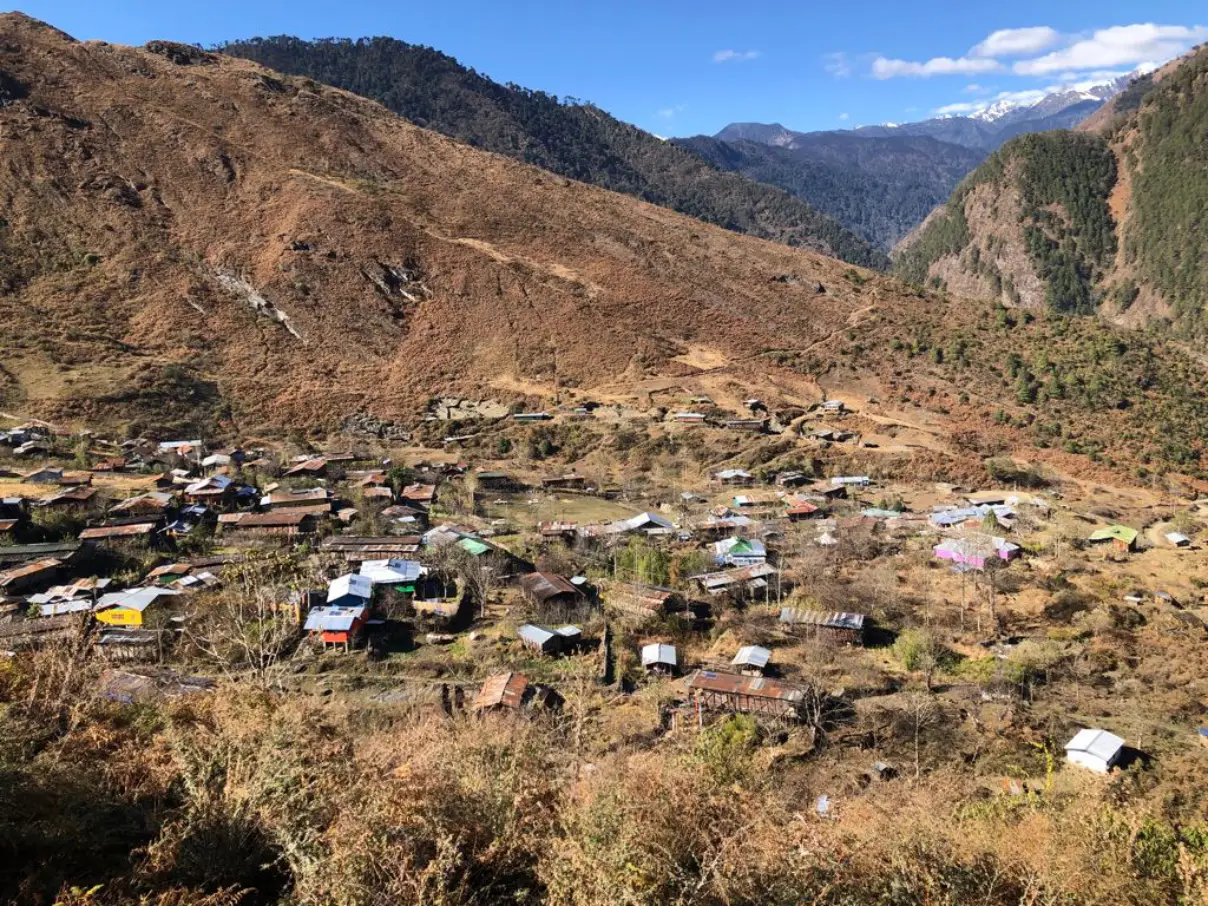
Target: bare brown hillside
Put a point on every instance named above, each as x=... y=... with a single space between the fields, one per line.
x=303 y=254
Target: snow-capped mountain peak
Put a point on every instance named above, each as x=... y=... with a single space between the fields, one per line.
x=997 y=110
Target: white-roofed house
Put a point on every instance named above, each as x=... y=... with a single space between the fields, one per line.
x=1094 y=749
x=752 y=660
x=658 y=658
x=350 y=590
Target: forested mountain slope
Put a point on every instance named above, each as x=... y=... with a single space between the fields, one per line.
x=881 y=188
x=573 y=139
x=1107 y=219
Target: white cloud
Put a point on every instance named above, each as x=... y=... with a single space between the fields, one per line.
x=883 y=68
x=974 y=88
x=734 y=56
x=1017 y=42
x=1120 y=45
x=837 y=64
x=844 y=116
x=667 y=113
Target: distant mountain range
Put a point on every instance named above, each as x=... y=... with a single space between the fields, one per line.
x=882 y=181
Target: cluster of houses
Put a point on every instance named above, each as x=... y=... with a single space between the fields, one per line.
x=247 y=499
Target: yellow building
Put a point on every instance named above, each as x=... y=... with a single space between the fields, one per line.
x=129 y=608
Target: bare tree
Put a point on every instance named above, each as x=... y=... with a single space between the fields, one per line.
x=254 y=621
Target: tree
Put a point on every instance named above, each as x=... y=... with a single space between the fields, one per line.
x=251 y=624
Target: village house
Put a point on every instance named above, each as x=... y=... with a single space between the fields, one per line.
x=402 y=575
x=837 y=627
x=567 y=482
x=1178 y=539
x=660 y=659
x=336 y=625
x=1121 y=538
x=645 y=601
x=644 y=523
x=74 y=498
x=216 y=490
x=355 y=549
x=850 y=481
x=503 y=691
x=151 y=503
x=129 y=608
x=495 y=481
x=794 y=479
x=141 y=532
x=689 y=418
x=975 y=551
x=422 y=495
x=1094 y=749
x=550 y=641
x=747 y=579
x=545 y=589
x=562 y=531
x=307 y=468
x=733 y=477
x=32 y=576
x=752 y=660
x=17 y=554
x=727 y=692
x=314 y=499
x=799 y=508
x=739 y=552
x=350 y=590
x=285 y=523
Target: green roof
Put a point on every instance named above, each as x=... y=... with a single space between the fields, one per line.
x=1116 y=533
x=475 y=547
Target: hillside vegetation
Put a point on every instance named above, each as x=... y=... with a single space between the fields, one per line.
x=1062 y=181
x=1164 y=238
x=881 y=188
x=1106 y=219
x=566 y=136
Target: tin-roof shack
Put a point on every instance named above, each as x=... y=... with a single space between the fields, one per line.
x=645 y=601
x=547 y=640
x=288 y=522
x=839 y=627
x=752 y=660
x=356 y=548
x=659 y=658
x=713 y=691
x=548 y=588
x=1094 y=749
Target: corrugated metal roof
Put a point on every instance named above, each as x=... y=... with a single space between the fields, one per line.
x=752 y=656
x=1097 y=743
x=117 y=531
x=544 y=586
x=535 y=635
x=281 y=519
x=506 y=689
x=134 y=598
x=350 y=584
x=333 y=619
x=827 y=619
x=29 y=569
x=754 y=686
x=384 y=572
x=656 y=653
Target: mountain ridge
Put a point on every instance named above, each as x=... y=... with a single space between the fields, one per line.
x=575 y=140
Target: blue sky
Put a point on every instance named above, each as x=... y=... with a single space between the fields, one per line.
x=680 y=68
